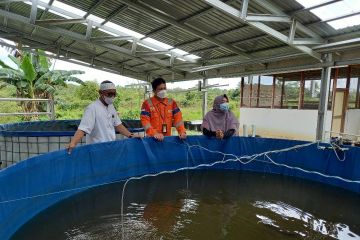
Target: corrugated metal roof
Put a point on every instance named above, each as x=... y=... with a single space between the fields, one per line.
x=193 y=26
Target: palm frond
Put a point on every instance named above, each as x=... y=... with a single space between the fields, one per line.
x=22 y=84
x=28 y=68
x=11 y=73
x=4 y=65
x=43 y=61
x=76 y=80
x=15 y=60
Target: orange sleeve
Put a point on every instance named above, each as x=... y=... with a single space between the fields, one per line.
x=178 y=121
x=145 y=118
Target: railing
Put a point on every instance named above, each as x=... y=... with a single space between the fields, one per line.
x=50 y=110
x=266 y=102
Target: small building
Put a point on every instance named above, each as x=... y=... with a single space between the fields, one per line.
x=286 y=104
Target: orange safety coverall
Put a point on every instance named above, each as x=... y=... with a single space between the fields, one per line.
x=156 y=113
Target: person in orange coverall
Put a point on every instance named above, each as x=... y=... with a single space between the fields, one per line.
x=159 y=113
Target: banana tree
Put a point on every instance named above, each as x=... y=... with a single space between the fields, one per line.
x=34 y=79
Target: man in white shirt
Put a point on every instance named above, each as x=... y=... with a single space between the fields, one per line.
x=99 y=119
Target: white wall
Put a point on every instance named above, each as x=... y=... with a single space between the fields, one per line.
x=283 y=123
x=352 y=121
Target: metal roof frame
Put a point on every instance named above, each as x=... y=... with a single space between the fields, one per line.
x=251 y=35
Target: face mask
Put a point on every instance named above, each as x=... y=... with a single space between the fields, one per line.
x=109 y=100
x=161 y=94
x=224 y=107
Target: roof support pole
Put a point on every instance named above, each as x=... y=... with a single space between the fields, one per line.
x=302 y=91
x=273 y=92
x=258 y=92
x=282 y=93
x=324 y=96
x=250 y=77
x=204 y=96
x=357 y=104
x=242 y=92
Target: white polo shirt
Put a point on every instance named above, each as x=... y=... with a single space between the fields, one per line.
x=98 y=122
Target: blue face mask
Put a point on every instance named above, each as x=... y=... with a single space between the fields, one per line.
x=224 y=107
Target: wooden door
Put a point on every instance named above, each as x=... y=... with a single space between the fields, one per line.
x=338 y=111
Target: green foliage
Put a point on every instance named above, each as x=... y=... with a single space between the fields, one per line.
x=9 y=107
x=3 y=65
x=72 y=99
x=128 y=102
x=131 y=114
x=292 y=90
x=88 y=91
x=28 y=68
x=234 y=94
x=43 y=63
x=34 y=79
x=190 y=98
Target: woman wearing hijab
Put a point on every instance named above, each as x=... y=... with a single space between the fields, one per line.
x=220 y=121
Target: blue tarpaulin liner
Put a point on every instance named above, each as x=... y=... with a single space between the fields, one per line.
x=53 y=128
x=33 y=185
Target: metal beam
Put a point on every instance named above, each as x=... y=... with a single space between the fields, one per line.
x=244 y=9
x=7 y=35
x=43 y=47
x=53 y=22
x=336 y=45
x=114 y=31
x=320 y=40
x=272 y=70
x=277 y=11
x=75 y=56
x=231 y=61
x=266 y=18
x=142 y=54
x=133 y=47
x=80 y=38
x=292 y=31
x=88 y=30
x=262 y=27
x=172 y=60
x=183 y=27
x=324 y=96
x=42 y=16
x=10 y=1
x=7 y=7
x=113 y=14
x=33 y=12
x=307 y=41
x=111 y=38
x=246 y=62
